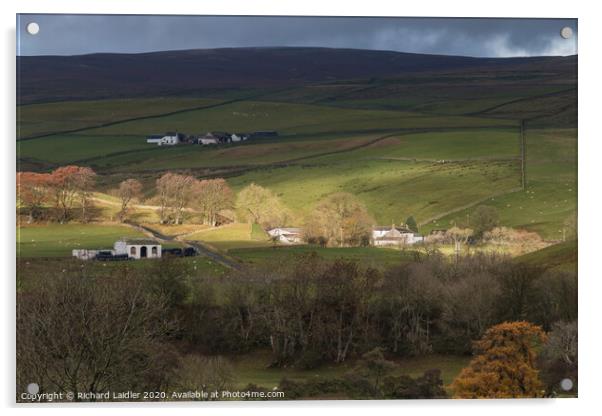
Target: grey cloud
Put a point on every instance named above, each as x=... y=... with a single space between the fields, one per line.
x=78 y=34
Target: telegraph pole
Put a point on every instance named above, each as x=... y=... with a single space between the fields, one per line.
x=523 y=156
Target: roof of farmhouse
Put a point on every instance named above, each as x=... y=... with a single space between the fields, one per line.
x=388 y=228
x=140 y=241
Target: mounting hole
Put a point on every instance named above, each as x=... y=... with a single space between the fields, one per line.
x=33 y=388
x=566 y=384
x=33 y=28
x=566 y=32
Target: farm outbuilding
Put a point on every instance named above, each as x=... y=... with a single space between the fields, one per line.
x=123 y=249
x=138 y=248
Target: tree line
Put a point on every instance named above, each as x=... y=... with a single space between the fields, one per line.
x=307 y=312
x=339 y=219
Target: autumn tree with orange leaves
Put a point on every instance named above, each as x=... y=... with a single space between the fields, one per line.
x=64 y=186
x=32 y=192
x=504 y=366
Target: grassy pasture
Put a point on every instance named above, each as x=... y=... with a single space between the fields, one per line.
x=57 y=240
x=487 y=143
x=290 y=119
x=367 y=256
x=33 y=270
x=551 y=195
x=38 y=119
x=258 y=153
x=561 y=257
x=70 y=148
x=254 y=368
x=396 y=177
x=451 y=94
x=231 y=236
x=392 y=190
x=305 y=130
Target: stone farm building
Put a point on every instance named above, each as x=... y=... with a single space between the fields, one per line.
x=132 y=248
x=394 y=236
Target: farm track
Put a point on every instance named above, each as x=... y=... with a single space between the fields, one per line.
x=201 y=248
x=140 y=206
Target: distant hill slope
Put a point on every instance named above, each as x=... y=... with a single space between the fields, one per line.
x=186 y=72
x=562 y=256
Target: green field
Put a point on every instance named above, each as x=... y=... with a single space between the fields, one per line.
x=74 y=147
x=562 y=257
x=235 y=235
x=254 y=368
x=392 y=190
x=293 y=119
x=368 y=256
x=57 y=240
x=258 y=153
x=457 y=145
x=40 y=119
x=551 y=194
x=433 y=146
x=304 y=129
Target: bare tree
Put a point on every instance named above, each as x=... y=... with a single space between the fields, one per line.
x=340 y=218
x=212 y=196
x=128 y=190
x=85 y=180
x=174 y=192
x=77 y=334
x=69 y=182
x=259 y=205
x=459 y=236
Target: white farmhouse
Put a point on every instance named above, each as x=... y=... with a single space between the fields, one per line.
x=394 y=236
x=286 y=235
x=205 y=141
x=138 y=248
x=238 y=137
x=167 y=139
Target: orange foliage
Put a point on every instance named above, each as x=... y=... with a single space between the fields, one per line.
x=62 y=186
x=32 y=191
x=504 y=366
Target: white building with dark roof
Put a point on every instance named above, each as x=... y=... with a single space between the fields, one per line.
x=130 y=248
x=394 y=236
x=286 y=235
x=167 y=139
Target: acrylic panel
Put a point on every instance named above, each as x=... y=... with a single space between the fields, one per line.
x=295 y=208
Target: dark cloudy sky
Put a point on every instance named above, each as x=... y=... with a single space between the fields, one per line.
x=79 y=34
